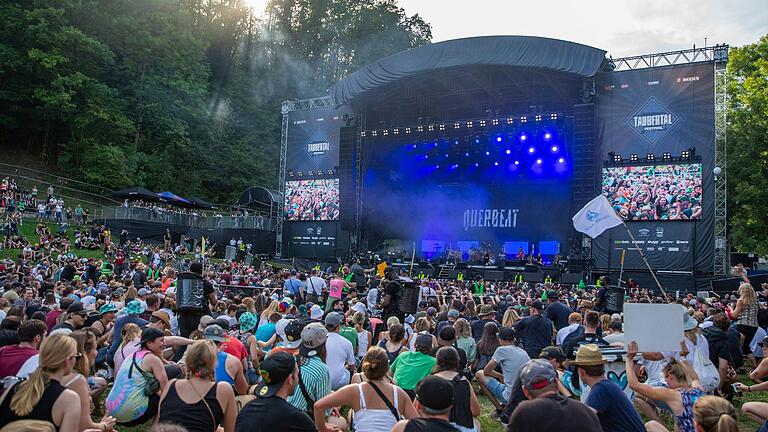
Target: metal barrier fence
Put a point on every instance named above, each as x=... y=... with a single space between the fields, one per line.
x=203 y=220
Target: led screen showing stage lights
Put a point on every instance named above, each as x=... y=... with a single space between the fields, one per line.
x=312 y=200
x=655 y=192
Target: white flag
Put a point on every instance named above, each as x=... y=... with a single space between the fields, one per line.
x=595 y=217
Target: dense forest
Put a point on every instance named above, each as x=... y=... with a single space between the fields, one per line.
x=179 y=95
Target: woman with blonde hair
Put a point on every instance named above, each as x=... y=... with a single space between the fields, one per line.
x=746 y=311
x=131 y=335
x=41 y=396
x=510 y=317
x=199 y=403
x=377 y=403
x=714 y=414
x=421 y=326
x=81 y=381
x=681 y=393
x=464 y=339
x=267 y=312
x=250 y=305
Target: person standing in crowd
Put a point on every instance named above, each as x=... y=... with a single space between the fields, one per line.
x=377 y=403
x=546 y=410
x=466 y=407
x=556 y=311
x=411 y=366
x=746 y=311
x=510 y=358
x=270 y=411
x=337 y=286
x=390 y=299
x=199 y=403
x=42 y=396
x=613 y=407
x=189 y=314
x=434 y=399
x=315 y=287
x=574 y=323
x=31 y=335
x=537 y=331
x=589 y=335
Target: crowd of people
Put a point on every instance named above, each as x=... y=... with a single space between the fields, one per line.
x=664 y=192
x=312 y=199
x=179 y=345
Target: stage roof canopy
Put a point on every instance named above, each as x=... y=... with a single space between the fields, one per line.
x=514 y=51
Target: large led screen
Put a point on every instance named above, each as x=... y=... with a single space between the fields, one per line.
x=655 y=192
x=312 y=200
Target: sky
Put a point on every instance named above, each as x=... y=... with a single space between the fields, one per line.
x=621 y=27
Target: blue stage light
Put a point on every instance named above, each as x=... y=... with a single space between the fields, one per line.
x=437 y=166
x=413 y=146
x=487 y=153
x=454 y=166
x=434 y=145
x=561 y=160
x=456 y=142
x=538 y=161
x=477 y=164
x=523 y=137
x=496 y=164
x=517 y=162
x=466 y=154
x=477 y=140
x=498 y=139
x=446 y=155
x=531 y=150
x=508 y=151
x=426 y=156
x=555 y=149
x=547 y=136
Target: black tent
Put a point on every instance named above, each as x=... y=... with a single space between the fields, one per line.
x=135 y=193
x=200 y=203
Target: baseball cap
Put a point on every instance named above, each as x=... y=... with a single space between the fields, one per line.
x=453 y=313
x=537 y=305
x=149 y=334
x=274 y=370
x=222 y=322
x=537 y=374
x=552 y=352
x=435 y=393
x=215 y=333
x=144 y=291
x=358 y=307
x=293 y=334
x=431 y=311
x=423 y=340
x=447 y=333
x=553 y=295
x=313 y=336
x=507 y=333
x=333 y=319
x=204 y=321
x=763 y=342
x=316 y=312
x=75 y=307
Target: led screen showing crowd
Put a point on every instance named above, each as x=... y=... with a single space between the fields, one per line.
x=312 y=200
x=654 y=192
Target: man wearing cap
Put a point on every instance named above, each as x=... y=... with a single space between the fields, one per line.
x=760 y=373
x=411 y=366
x=613 y=407
x=511 y=359
x=434 y=400
x=289 y=331
x=484 y=315
x=340 y=354
x=453 y=316
x=229 y=369
x=75 y=317
x=447 y=337
x=556 y=311
x=537 y=331
x=270 y=411
x=314 y=376
x=546 y=410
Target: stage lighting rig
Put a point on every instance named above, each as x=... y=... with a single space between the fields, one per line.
x=407 y=130
x=396 y=131
x=362 y=134
x=633 y=158
x=617 y=159
x=650 y=157
x=385 y=132
x=457 y=125
x=442 y=127
x=666 y=156
x=470 y=124
x=420 y=128
x=685 y=154
x=510 y=120
x=482 y=123
x=553 y=116
x=495 y=122
x=537 y=118
x=523 y=119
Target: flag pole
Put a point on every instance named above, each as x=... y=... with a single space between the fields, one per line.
x=639 y=249
x=621 y=272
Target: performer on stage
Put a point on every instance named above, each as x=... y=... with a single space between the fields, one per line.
x=520 y=254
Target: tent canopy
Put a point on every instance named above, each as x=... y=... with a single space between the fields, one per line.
x=136 y=192
x=200 y=203
x=517 y=51
x=172 y=197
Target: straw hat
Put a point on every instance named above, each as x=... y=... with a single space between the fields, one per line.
x=589 y=355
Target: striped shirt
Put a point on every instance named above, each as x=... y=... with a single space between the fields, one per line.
x=317 y=380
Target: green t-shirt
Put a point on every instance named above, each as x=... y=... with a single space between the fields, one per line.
x=478 y=288
x=411 y=367
x=349 y=334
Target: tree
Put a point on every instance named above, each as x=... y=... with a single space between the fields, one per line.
x=748 y=147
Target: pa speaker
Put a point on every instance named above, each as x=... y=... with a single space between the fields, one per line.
x=533 y=276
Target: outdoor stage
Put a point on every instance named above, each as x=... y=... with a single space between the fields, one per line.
x=475 y=154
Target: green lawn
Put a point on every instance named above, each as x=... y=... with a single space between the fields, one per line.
x=28 y=230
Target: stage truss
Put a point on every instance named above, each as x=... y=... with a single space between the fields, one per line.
x=718 y=56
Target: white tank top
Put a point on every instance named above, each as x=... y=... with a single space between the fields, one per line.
x=362 y=343
x=375 y=420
